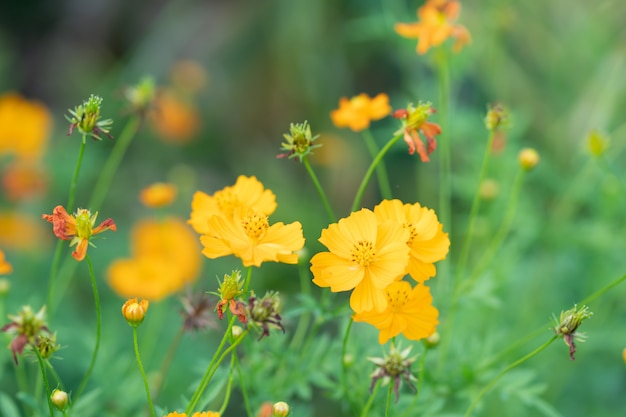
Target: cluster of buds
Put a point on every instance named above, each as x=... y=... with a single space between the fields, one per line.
x=567 y=324
x=299 y=141
x=30 y=329
x=86 y=118
x=395 y=366
x=228 y=291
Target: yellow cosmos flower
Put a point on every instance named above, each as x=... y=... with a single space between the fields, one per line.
x=436 y=24
x=248 y=193
x=250 y=237
x=165 y=258
x=427 y=240
x=22 y=232
x=359 y=111
x=158 y=195
x=24 y=127
x=365 y=255
x=409 y=311
x=5 y=267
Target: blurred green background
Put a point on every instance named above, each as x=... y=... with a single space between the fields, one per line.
x=558 y=66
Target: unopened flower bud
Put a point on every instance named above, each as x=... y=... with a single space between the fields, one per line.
x=237 y=331
x=280 y=409
x=134 y=311
x=60 y=399
x=528 y=158
x=432 y=340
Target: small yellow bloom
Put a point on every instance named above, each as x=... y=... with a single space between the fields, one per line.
x=409 y=311
x=247 y=193
x=158 y=195
x=78 y=228
x=427 y=241
x=5 y=267
x=364 y=255
x=528 y=158
x=357 y=112
x=135 y=311
x=250 y=237
x=435 y=25
x=20 y=231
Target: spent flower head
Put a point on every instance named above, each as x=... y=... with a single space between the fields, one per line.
x=264 y=313
x=86 y=118
x=197 y=312
x=28 y=327
x=566 y=326
x=141 y=95
x=228 y=290
x=415 y=121
x=498 y=117
x=78 y=228
x=299 y=141
x=394 y=367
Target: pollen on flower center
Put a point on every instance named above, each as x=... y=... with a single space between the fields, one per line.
x=227 y=201
x=412 y=232
x=255 y=225
x=398 y=298
x=363 y=253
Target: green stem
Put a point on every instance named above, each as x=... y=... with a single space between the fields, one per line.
x=44 y=375
x=105 y=179
x=305 y=318
x=370 y=400
x=229 y=385
x=381 y=172
x=246 y=284
x=167 y=361
x=74 y=183
x=22 y=381
x=491 y=383
x=96 y=298
x=389 y=395
x=143 y=372
x=603 y=290
x=370 y=171
x=320 y=190
x=344 y=369
x=244 y=391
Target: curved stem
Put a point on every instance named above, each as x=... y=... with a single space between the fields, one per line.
x=44 y=375
x=320 y=190
x=105 y=179
x=381 y=172
x=143 y=372
x=491 y=383
x=244 y=391
x=368 y=174
x=229 y=385
x=370 y=400
x=96 y=298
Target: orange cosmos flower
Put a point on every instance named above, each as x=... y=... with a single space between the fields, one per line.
x=414 y=120
x=427 y=240
x=250 y=237
x=5 y=267
x=24 y=127
x=436 y=24
x=175 y=119
x=359 y=111
x=22 y=232
x=78 y=228
x=409 y=311
x=158 y=195
x=365 y=255
x=23 y=180
x=165 y=258
x=248 y=193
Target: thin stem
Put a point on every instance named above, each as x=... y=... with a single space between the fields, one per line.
x=370 y=400
x=320 y=190
x=344 y=370
x=74 y=183
x=389 y=395
x=443 y=73
x=246 y=284
x=603 y=290
x=22 y=381
x=242 y=385
x=42 y=368
x=370 y=171
x=491 y=383
x=305 y=318
x=105 y=179
x=229 y=385
x=167 y=361
x=143 y=373
x=381 y=172
x=96 y=298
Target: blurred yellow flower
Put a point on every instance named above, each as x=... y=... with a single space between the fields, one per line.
x=249 y=236
x=357 y=112
x=427 y=240
x=77 y=228
x=435 y=25
x=21 y=231
x=196 y=414
x=24 y=127
x=5 y=267
x=188 y=76
x=174 y=119
x=365 y=255
x=21 y=180
x=409 y=311
x=597 y=143
x=165 y=257
x=247 y=193
x=158 y=195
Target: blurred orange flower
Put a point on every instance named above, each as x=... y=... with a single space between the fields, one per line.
x=174 y=118
x=24 y=127
x=78 y=228
x=359 y=111
x=20 y=231
x=435 y=25
x=165 y=257
x=248 y=193
x=409 y=311
x=158 y=195
x=5 y=267
x=414 y=120
x=22 y=180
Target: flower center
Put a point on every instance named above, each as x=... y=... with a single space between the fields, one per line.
x=397 y=297
x=363 y=253
x=226 y=201
x=412 y=232
x=255 y=225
